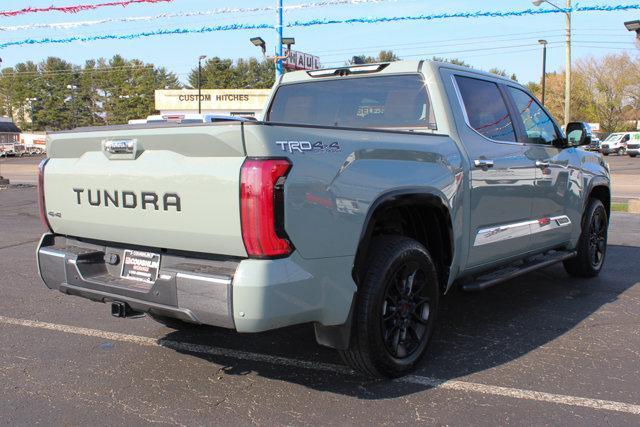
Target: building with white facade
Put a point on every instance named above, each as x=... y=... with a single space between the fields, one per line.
x=234 y=102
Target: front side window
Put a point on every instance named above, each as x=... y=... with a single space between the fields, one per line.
x=538 y=126
x=370 y=102
x=486 y=109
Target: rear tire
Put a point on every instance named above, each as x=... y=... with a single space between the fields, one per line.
x=592 y=246
x=632 y=155
x=396 y=308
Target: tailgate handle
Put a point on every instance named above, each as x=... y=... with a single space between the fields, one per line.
x=120 y=148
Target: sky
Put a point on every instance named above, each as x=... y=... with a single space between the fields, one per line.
x=505 y=43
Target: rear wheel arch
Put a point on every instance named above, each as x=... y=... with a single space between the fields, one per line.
x=412 y=213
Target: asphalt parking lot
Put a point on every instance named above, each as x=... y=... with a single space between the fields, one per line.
x=543 y=349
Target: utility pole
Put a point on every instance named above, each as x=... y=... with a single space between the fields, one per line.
x=544 y=68
x=567 y=82
x=200 y=58
x=2 y=180
x=279 y=46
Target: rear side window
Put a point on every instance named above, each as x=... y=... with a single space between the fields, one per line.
x=370 y=102
x=486 y=109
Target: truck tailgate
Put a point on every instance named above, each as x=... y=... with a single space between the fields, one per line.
x=177 y=189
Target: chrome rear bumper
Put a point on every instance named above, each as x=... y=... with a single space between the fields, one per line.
x=188 y=288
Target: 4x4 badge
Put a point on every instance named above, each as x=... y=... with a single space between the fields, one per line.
x=307 y=146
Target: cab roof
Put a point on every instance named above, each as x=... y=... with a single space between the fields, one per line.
x=381 y=68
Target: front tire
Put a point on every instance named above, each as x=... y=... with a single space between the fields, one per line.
x=592 y=246
x=395 y=310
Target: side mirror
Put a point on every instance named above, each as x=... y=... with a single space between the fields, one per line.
x=578 y=133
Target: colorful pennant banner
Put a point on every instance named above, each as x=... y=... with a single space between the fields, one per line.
x=316 y=22
x=76 y=8
x=213 y=12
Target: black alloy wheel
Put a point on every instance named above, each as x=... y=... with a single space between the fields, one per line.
x=395 y=309
x=406 y=310
x=592 y=245
x=598 y=238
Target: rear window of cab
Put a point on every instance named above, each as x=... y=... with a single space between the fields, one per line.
x=394 y=101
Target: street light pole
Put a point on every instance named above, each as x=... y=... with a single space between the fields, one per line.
x=567 y=83
x=279 y=43
x=544 y=68
x=200 y=58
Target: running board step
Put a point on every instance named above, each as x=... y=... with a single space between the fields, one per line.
x=511 y=271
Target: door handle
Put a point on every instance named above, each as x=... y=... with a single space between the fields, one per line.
x=542 y=165
x=483 y=163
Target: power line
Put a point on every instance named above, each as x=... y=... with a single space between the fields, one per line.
x=437 y=53
x=387 y=46
x=437 y=45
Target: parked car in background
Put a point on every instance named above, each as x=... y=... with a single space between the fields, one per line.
x=616 y=143
x=34 y=143
x=20 y=150
x=595 y=144
x=7 y=149
x=633 y=146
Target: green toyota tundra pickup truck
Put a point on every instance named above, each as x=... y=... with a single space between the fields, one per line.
x=364 y=195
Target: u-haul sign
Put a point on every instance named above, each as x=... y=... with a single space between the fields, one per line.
x=301 y=61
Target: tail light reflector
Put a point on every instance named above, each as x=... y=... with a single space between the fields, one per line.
x=43 y=209
x=262 y=207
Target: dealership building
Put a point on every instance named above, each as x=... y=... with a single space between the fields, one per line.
x=234 y=102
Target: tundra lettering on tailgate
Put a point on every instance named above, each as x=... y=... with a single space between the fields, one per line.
x=128 y=199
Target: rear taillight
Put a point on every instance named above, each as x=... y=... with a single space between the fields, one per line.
x=262 y=207
x=43 y=208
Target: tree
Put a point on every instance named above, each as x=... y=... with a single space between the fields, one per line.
x=128 y=87
x=501 y=72
x=611 y=83
x=454 y=61
x=224 y=73
x=57 y=102
x=383 y=56
x=55 y=94
x=534 y=87
x=387 y=56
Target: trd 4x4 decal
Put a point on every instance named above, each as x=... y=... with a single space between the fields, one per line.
x=306 y=146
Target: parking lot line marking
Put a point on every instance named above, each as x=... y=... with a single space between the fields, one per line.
x=464 y=386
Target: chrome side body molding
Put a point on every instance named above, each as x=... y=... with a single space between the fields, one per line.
x=501 y=233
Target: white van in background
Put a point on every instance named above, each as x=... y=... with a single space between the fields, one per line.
x=633 y=146
x=617 y=143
